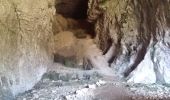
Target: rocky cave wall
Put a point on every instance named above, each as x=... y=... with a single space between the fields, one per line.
x=139 y=32
x=25 y=32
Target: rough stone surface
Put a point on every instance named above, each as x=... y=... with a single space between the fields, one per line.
x=89 y=85
x=139 y=31
x=132 y=34
x=25 y=30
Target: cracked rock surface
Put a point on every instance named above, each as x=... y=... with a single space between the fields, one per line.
x=139 y=33
x=25 y=30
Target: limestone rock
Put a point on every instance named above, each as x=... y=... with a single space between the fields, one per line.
x=25 y=30
x=144 y=72
x=139 y=33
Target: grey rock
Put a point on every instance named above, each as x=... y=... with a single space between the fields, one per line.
x=139 y=33
x=25 y=52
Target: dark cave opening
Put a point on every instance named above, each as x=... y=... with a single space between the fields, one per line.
x=77 y=10
x=74 y=18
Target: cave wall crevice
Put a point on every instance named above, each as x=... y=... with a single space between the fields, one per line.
x=139 y=30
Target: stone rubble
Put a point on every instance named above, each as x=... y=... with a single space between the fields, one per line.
x=83 y=88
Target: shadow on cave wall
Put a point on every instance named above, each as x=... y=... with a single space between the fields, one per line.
x=75 y=9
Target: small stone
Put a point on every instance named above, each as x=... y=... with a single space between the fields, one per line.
x=82 y=91
x=93 y=86
x=53 y=91
x=62 y=97
x=36 y=96
x=102 y=82
x=34 y=91
x=98 y=84
x=86 y=86
x=24 y=99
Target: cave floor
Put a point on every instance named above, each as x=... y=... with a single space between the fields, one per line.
x=76 y=84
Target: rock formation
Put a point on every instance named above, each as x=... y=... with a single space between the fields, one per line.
x=25 y=30
x=139 y=32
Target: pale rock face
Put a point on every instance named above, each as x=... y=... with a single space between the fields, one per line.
x=155 y=66
x=25 y=30
x=162 y=62
x=144 y=72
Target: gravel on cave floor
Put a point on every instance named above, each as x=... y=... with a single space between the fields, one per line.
x=89 y=85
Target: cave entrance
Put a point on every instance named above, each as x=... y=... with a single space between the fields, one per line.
x=77 y=10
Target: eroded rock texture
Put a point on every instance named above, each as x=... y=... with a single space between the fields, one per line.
x=139 y=32
x=25 y=29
